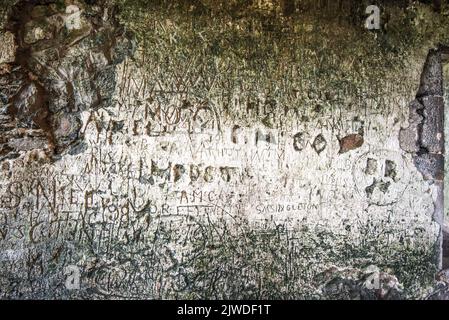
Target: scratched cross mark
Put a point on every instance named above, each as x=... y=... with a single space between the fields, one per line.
x=380 y=177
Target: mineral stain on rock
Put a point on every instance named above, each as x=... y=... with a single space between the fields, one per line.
x=64 y=64
x=350 y=142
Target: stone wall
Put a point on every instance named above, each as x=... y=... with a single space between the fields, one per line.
x=445 y=60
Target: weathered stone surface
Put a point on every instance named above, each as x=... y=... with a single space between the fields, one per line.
x=432 y=135
x=446 y=246
x=208 y=163
x=66 y=57
x=319 y=144
x=350 y=142
x=431 y=166
x=441 y=290
x=432 y=76
x=7 y=54
x=424 y=137
x=409 y=137
x=367 y=284
x=446 y=163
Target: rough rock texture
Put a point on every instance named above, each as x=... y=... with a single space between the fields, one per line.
x=445 y=60
x=9 y=47
x=60 y=61
x=424 y=137
x=225 y=158
x=367 y=284
x=441 y=290
x=446 y=244
x=348 y=143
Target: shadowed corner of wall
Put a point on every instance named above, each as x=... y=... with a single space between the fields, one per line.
x=424 y=140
